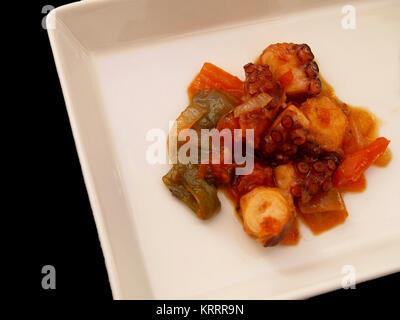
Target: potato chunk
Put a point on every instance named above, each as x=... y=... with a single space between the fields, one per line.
x=327 y=122
x=267 y=214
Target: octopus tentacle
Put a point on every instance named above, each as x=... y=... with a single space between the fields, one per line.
x=331 y=164
x=296 y=191
x=289 y=149
x=287 y=121
x=312 y=69
x=259 y=79
x=294 y=67
x=304 y=53
x=318 y=166
x=303 y=167
x=314 y=86
x=285 y=135
x=327 y=185
x=306 y=176
x=299 y=136
x=276 y=136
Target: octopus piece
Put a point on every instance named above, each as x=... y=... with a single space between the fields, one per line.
x=328 y=122
x=286 y=134
x=315 y=177
x=309 y=174
x=259 y=79
x=258 y=121
x=293 y=67
x=267 y=214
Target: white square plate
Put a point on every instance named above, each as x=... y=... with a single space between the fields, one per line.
x=124 y=67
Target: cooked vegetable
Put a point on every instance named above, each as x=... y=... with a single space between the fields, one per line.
x=190 y=116
x=324 y=211
x=217 y=104
x=267 y=214
x=354 y=165
x=255 y=103
x=212 y=77
x=206 y=108
x=186 y=120
x=184 y=183
x=323 y=202
x=173 y=181
x=319 y=222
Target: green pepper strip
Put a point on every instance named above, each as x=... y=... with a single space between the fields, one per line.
x=196 y=193
x=217 y=103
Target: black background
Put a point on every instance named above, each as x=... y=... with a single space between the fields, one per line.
x=65 y=234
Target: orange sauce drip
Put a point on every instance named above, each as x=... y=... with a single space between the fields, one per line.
x=320 y=222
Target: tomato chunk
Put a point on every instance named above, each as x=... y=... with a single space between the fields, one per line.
x=355 y=164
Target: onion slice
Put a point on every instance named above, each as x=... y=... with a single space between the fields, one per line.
x=255 y=103
x=186 y=120
x=189 y=117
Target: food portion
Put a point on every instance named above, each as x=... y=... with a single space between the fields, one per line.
x=327 y=122
x=185 y=184
x=267 y=214
x=354 y=165
x=304 y=146
x=293 y=66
